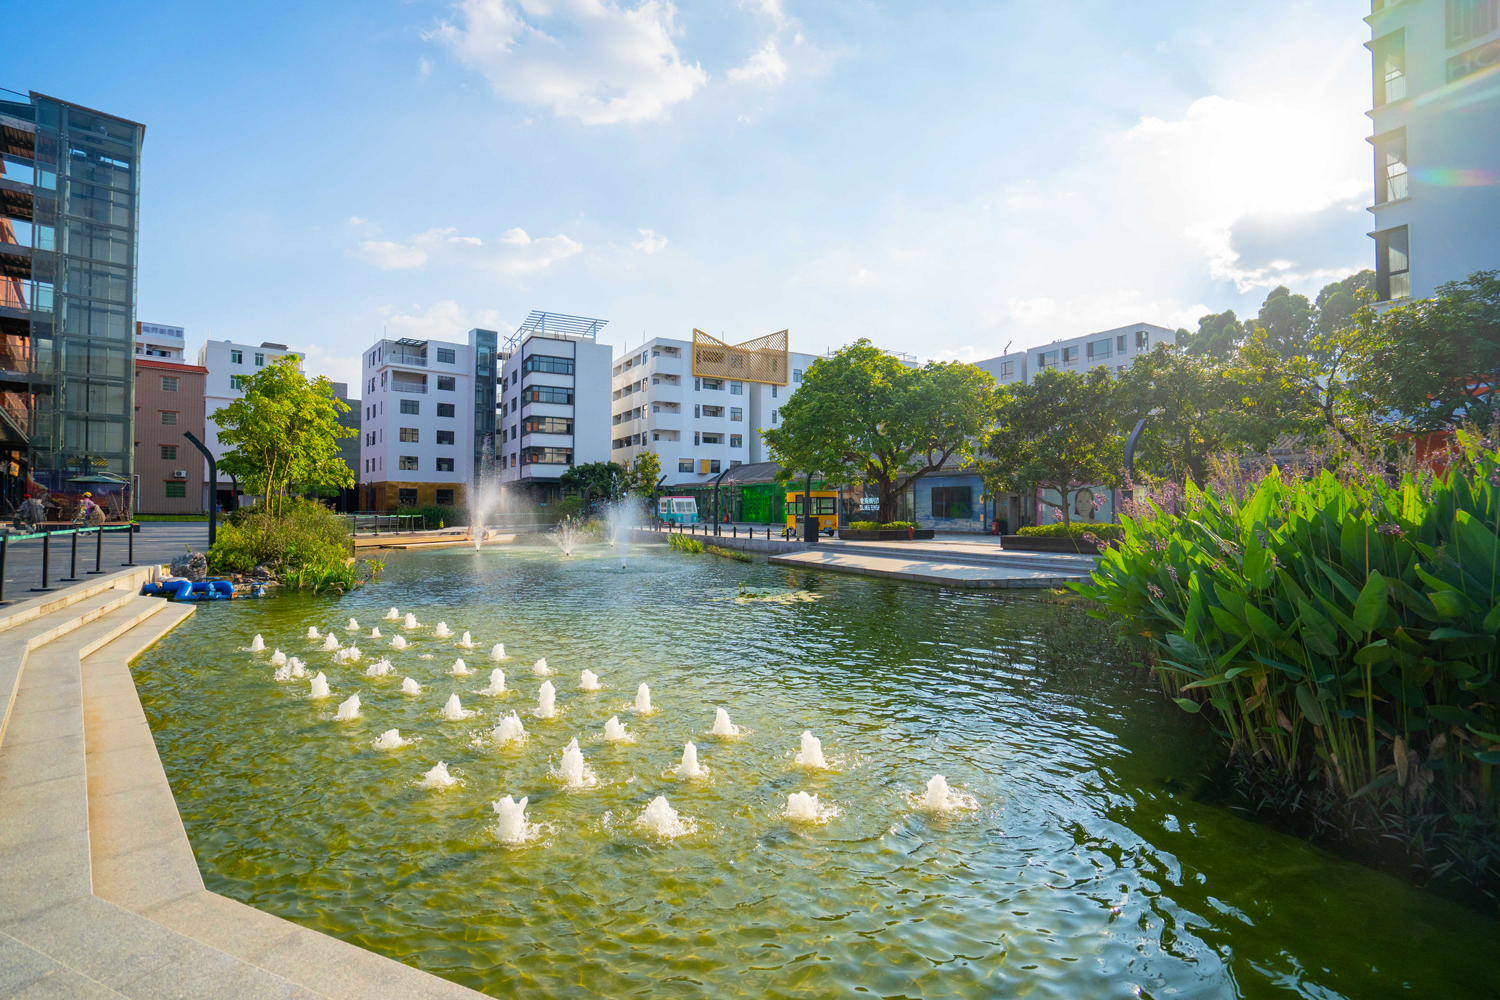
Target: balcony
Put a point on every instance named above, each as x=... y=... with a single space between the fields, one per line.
x=417 y=387
x=401 y=358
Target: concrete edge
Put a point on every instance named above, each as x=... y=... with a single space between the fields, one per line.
x=34 y=607
x=1009 y=583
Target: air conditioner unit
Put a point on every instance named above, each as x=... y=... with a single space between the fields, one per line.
x=179 y=475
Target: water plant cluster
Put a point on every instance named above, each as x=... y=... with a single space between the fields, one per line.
x=1340 y=627
x=304 y=545
x=679 y=542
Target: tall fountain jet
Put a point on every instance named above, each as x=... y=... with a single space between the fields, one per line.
x=546 y=701
x=614 y=731
x=572 y=770
x=497 y=683
x=348 y=709
x=811 y=754
x=690 y=768
x=497 y=652
x=510 y=823
x=257 y=644
x=722 y=725
x=643 y=699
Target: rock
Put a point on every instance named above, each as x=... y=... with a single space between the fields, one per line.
x=192 y=566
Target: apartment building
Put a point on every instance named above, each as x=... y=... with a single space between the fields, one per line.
x=701 y=405
x=70 y=180
x=1114 y=349
x=554 y=402
x=169 y=400
x=1436 y=119
x=349 y=447
x=417 y=421
x=228 y=363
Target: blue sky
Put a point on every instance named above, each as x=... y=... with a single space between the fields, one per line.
x=944 y=179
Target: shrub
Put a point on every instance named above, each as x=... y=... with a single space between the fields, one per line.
x=1336 y=627
x=877 y=526
x=306 y=546
x=684 y=543
x=714 y=550
x=1103 y=532
x=439 y=516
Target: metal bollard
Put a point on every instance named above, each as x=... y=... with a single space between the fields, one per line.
x=98 y=552
x=73 y=561
x=46 y=560
x=130 y=532
x=4 y=544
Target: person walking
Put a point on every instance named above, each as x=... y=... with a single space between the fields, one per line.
x=93 y=514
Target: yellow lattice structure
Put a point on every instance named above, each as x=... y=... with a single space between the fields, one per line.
x=763 y=359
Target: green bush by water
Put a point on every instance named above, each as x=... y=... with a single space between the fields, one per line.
x=684 y=543
x=1338 y=628
x=877 y=526
x=1076 y=529
x=307 y=546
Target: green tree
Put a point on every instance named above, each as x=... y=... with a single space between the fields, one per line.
x=1218 y=336
x=1338 y=300
x=644 y=473
x=1058 y=434
x=607 y=479
x=1287 y=320
x=1190 y=404
x=863 y=416
x=283 y=434
x=1434 y=362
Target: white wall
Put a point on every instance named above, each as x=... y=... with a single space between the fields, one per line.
x=381 y=445
x=218 y=392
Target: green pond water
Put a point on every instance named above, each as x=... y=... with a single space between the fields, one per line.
x=1087 y=870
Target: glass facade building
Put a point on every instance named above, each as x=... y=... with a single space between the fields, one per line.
x=69 y=214
x=485 y=343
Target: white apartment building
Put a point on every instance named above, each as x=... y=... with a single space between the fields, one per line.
x=554 y=401
x=417 y=420
x=1114 y=349
x=227 y=362
x=1436 y=120
x=697 y=424
x=157 y=340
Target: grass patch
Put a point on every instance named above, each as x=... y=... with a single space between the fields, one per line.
x=714 y=550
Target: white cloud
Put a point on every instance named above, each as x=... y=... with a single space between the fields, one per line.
x=650 y=242
x=764 y=68
x=512 y=254
x=442 y=320
x=339 y=368
x=594 y=60
x=425 y=66
x=390 y=256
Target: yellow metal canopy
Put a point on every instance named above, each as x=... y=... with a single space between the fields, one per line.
x=763 y=359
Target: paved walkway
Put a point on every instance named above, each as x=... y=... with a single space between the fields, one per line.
x=100 y=895
x=156 y=542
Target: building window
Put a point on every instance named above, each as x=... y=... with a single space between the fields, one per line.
x=546 y=456
x=697 y=384
x=1046 y=359
x=736 y=388
x=775 y=416
x=713 y=466
x=1120 y=344
x=411 y=406
x=1142 y=339
x=405 y=496
x=445 y=465
x=169 y=452
x=445 y=409
x=953 y=502
x=713 y=439
x=1474 y=60
x=697 y=439
x=444 y=437
x=169 y=418
x=736 y=413
x=260 y=360
x=382 y=380
x=547 y=364
x=1470 y=19
x=548 y=394
x=408 y=463
x=773 y=392
x=169 y=383
x=1390 y=67
x=1390 y=167
x=716 y=384
x=176 y=491
x=237 y=382
x=1392 y=265
x=1101 y=349
x=697 y=411
x=445 y=497
x=447 y=356
x=713 y=411
x=236 y=357
x=547 y=425
x=446 y=383
x=684 y=465
x=796 y=374
x=409 y=435
x=1070 y=355
x=736 y=440
x=1007 y=369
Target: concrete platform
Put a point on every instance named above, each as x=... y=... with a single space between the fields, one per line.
x=919 y=568
x=100 y=894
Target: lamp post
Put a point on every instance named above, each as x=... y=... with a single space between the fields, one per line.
x=809 y=520
x=1135 y=435
x=213 y=490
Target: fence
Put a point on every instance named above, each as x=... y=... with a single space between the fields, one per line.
x=12 y=538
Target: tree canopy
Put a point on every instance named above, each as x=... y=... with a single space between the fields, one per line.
x=1192 y=406
x=1218 y=336
x=283 y=434
x=643 y=474
x=862 y=415
x=1057 y=433
x=607 y=479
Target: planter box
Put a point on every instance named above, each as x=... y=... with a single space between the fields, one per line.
x=1046 y=543
x=900 y=535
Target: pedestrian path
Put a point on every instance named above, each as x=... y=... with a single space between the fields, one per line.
x=933 y=568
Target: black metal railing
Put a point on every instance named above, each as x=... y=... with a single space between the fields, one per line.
x=9 y=539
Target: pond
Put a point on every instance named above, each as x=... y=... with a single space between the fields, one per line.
x=1087 y=867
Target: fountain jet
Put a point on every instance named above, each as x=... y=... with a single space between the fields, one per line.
x=390 y=740
x=939 y=798
x=442 y=631
x=509 y=730
x=804 y=808
x=572 y=770
x=375 y=632
x=278 y=658
x=392 y=615
x=348 y=709
x=661 y=820
x=510 y=825
x=330 y=643
x=438 y=777
x=312 y=632
x=380 y=668
x=643 y=699
x=497 y=652
x=497 y=683
x=588 y=681
x=615 y=732
x=811 y=754
x=410 y=621
x=690 y=768
x=353 y=626
x=257 y=644
x=460 y=668
x=319 y=687
x=409 y=686
x=466 y=641
x=546 y=701
x=454 y=710
x=722 y=725
x=398 y=642
x=541 y=669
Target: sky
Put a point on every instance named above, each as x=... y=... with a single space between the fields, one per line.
x=946 y=179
